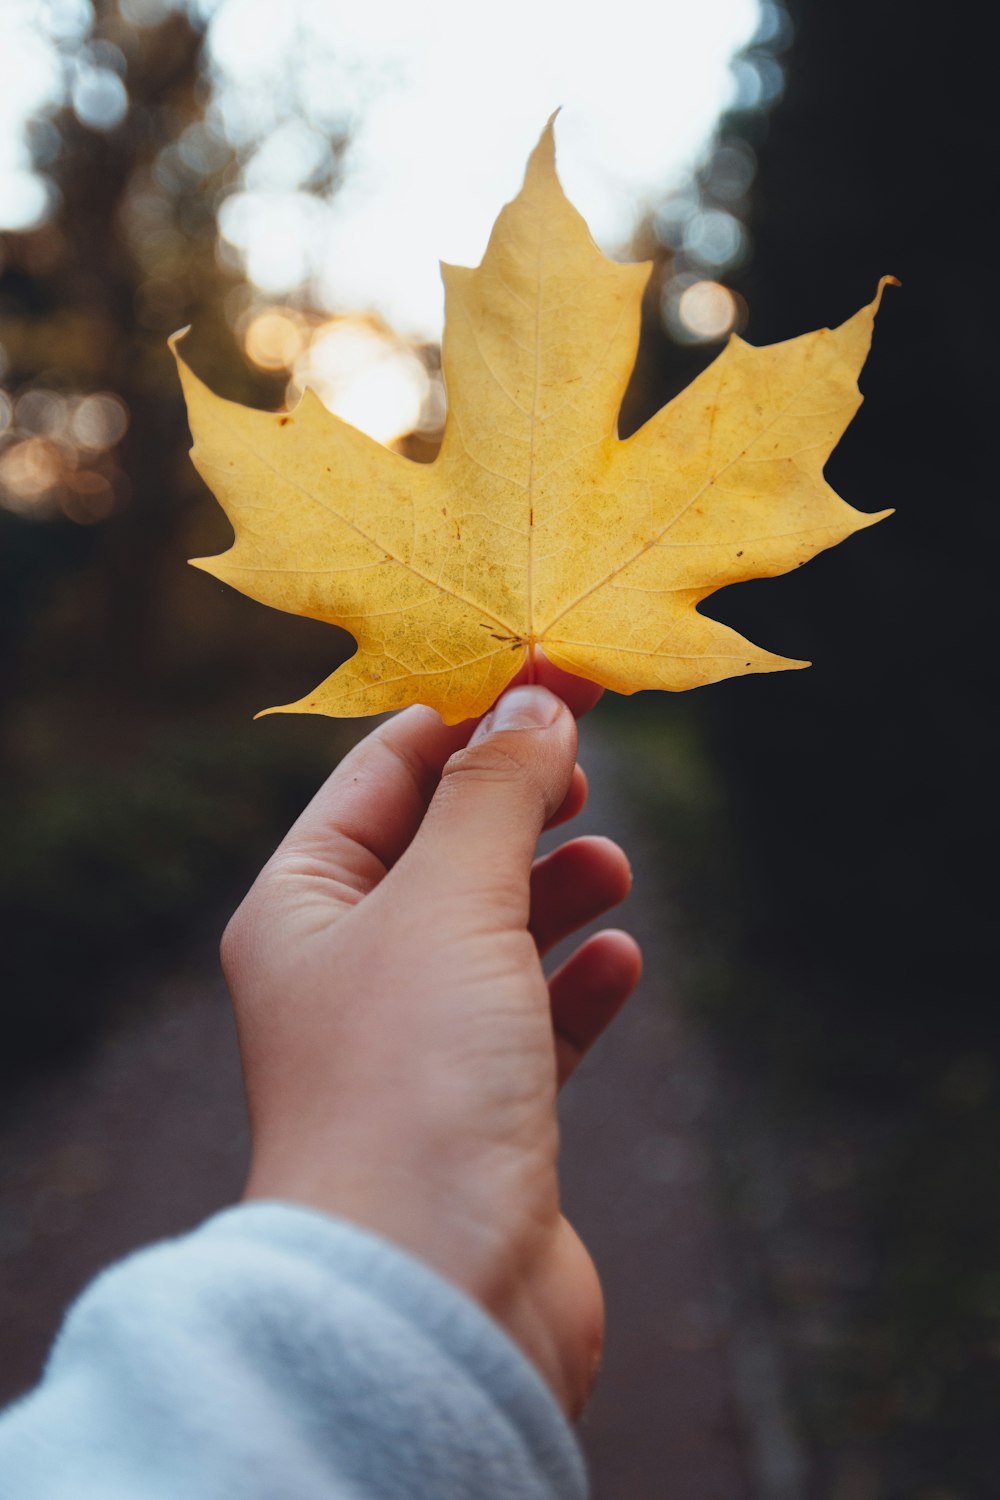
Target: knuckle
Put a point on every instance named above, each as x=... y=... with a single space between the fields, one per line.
x=510 y=768
x=488 y=761
x=240 y=944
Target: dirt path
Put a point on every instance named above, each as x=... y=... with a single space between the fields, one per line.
x=148 y=1137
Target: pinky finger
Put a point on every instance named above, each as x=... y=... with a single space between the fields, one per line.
x=587 y=992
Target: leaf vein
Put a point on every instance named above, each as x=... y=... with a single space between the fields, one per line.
x=330 y=510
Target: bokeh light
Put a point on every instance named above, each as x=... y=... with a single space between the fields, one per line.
x=100 y=99
x=30 y=473
x=274 y=338
x=41 y=411
x=702 y=311
x=715 y=238
x=56 y=454
x=364 y=375
x=99 y=422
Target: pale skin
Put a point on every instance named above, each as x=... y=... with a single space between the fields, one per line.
x=401 y=1046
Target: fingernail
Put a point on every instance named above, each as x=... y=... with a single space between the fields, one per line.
x=522 y=708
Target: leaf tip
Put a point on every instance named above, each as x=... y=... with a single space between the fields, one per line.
x=872 y=518
x=884 y=281
x=542 y=160
x=175 y=339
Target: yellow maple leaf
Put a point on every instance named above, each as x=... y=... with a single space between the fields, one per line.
x=536 y=527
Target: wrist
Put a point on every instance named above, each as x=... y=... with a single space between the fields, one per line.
x=544 y=1294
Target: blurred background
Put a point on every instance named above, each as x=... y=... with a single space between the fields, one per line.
x=809 y=1123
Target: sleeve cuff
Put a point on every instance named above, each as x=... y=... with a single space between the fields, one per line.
x=278 y=1350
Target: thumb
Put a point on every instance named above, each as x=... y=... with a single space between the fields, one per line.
x=478 y=838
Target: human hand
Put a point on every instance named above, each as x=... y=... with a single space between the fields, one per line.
x=401 y=1046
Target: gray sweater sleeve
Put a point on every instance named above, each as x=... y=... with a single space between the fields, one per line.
x=279 y=1354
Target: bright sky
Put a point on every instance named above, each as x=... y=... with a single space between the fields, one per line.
x=445 y=100
x=441 y=102
x=30 y=78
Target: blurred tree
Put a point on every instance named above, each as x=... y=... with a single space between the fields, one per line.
x=120 y=668
x=864 y=784
x=85 y=304
x=862 y=790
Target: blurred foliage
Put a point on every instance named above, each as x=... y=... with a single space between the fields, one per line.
x=127 y=808
x=107 y=866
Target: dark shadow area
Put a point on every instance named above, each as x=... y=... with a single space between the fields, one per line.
x=858 y=1001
